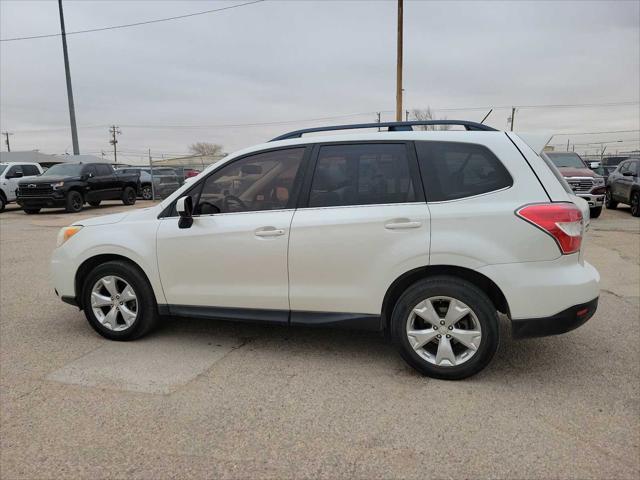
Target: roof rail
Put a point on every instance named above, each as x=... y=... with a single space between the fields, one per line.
x=391 y=127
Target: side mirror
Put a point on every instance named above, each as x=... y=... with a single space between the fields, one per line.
x=184 y=207
x=628 y=173
x=17 y=174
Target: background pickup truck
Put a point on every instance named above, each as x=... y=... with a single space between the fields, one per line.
x=10 y=175
x=70 y=185
x=584 y=182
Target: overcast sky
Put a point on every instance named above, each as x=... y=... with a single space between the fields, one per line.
x=297 y=60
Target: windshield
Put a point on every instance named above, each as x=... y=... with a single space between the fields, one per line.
x=64 y=169
x=2 y=168
x=566 y=160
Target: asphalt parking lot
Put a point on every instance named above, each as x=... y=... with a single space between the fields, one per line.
x=213 y=399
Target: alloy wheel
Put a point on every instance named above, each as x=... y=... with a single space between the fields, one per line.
x=444 y=331
x=114 y=303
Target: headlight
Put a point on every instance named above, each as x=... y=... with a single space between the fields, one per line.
x=598 y=181
x=57 y=185
x=66 y=233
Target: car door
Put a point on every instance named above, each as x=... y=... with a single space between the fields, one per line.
x=94 y=188
x=622 y=185
x=232 y=261
x=363 y=223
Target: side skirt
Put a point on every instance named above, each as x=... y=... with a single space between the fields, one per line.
x=354 y=321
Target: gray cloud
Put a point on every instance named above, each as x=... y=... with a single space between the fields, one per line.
x=287 y=60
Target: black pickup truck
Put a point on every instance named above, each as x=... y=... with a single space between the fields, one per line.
x=71 y=185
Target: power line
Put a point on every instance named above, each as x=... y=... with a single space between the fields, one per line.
x=137 y=24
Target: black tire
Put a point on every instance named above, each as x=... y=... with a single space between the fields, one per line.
x=3 y=203
x=129 y=196
x=31 y=211
x=146 y=192
x=74 y=202
x=635 y=203
x=147 y=309
x=609 y=202
x=95 y=203
x=595 y=212
x=474 y=298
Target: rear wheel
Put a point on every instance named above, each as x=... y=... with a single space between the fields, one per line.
x=119 y=302
x=74 y=201
x=31 y=211
x=595 y=212
x=445 y=327
x=129 y=196
x=95 y=203
x=609 y=202
x=3 y=203
x=635 y=204
x=146 y=192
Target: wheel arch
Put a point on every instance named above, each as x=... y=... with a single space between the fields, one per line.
x=401 y=283
x=90 y=263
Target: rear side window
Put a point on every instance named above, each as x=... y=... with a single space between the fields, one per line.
x=363 y=174
x=453 y=170
x=102 y=170
x=28 y=170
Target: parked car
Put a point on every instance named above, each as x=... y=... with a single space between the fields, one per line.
x=10 y=174
x=584 y=182
x=70 y=185
x=425 y=235
x=165 y=181
x=623 y=186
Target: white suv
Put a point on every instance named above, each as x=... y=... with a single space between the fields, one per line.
x=10 y=175
x=425 y=235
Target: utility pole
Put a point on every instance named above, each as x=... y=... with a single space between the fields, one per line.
x=114 y=130
x=153 y=188
x=567 y=144
x=399 y=66
x=72 y=110
x=513 y=116
x=6 y=140
x=406 y=115
x=378 y=119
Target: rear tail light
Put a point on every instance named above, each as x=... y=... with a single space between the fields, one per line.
x=563 y=221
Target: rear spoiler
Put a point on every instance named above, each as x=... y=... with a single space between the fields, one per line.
x=537 y=141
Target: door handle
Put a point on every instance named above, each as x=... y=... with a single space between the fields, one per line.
x=402 y=224
x=269 y=232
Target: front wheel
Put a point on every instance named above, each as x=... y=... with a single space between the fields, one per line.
x=118 y=301
x=445 y=327
x=635 y=204
x=74 y=201
x=129 y=196
x=595 y=212
x=609 y=202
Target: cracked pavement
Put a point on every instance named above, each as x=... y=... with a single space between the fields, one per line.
x=214 y=399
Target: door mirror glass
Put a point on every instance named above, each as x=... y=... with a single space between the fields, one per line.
x=16 y=174
x=184 y=207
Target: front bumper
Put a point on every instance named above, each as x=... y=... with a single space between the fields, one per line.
x=562 y=322
x=594 y=200
x=41 y=202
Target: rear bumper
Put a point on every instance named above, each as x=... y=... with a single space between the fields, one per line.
x=562 y=322
x=592 y=199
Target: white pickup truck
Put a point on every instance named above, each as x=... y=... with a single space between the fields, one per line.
x=10 y=175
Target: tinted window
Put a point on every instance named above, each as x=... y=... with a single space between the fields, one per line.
x=64 y=170
x=102 y=170
x=633 y=167
x=361 y=175
x=30 y=170
x=623 y=167
x=457 y=170
x=12 y=171
x=258 y=182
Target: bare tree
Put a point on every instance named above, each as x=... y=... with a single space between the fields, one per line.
x=204 y=148
x=427 y=114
